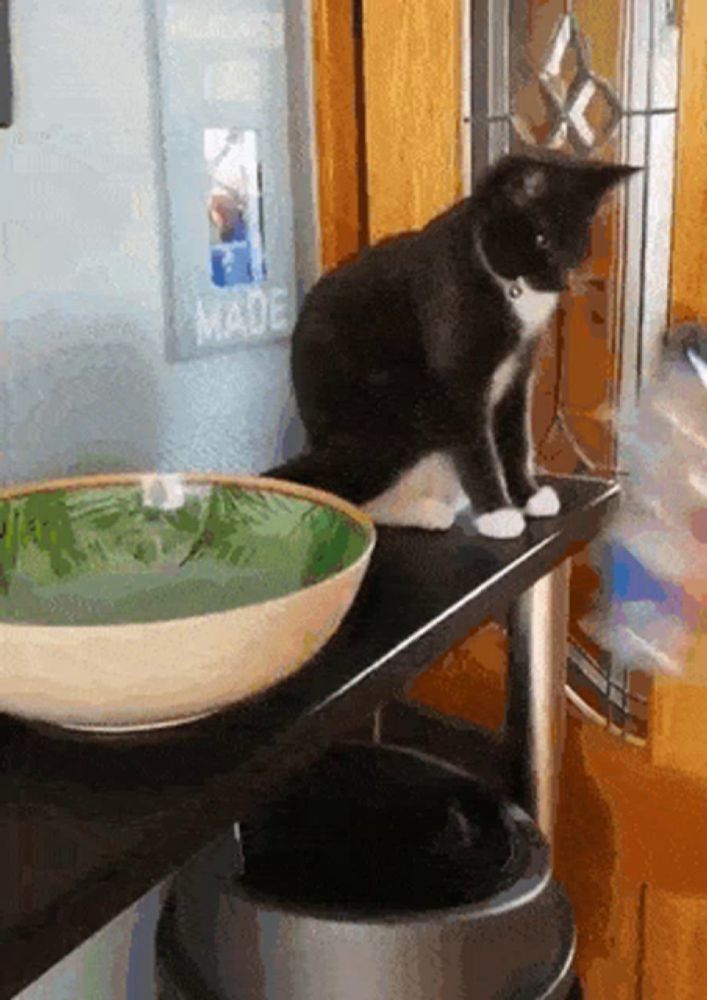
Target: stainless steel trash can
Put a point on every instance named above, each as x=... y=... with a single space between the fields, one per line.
x=382 y=874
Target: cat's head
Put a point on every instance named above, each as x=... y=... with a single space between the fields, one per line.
x=535 y=214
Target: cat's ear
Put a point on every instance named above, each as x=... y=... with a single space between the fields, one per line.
x=598 y=178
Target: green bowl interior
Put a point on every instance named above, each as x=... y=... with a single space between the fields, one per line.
x=128 y=553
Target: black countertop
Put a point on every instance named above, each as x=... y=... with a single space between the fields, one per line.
x=87 y=825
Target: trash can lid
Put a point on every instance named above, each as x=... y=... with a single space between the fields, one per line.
x=376 y=829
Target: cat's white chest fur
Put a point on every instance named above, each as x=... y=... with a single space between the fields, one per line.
x=533 y=309
x=502 y=378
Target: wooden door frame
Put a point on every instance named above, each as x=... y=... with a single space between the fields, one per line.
x=340 y=128
x=388 y=112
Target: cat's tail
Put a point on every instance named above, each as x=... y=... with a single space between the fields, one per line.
x=313 y=469
x=335 y=468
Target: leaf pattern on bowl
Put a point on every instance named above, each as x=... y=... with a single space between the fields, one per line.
x=100 y=554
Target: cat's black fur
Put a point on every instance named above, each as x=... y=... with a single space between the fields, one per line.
x=394 y=353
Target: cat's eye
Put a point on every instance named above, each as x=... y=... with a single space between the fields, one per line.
x=542 y=241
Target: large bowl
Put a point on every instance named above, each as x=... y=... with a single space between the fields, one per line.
x=132 y=602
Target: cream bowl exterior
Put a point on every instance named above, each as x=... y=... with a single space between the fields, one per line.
x=146 y=675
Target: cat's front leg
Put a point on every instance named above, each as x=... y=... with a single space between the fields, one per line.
x=513 y=441
x=481 y=476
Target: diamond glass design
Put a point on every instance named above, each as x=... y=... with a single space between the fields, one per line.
x=581 y=109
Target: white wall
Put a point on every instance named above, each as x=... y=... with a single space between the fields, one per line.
x=86 y=384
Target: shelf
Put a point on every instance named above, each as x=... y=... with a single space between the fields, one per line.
x=89 y=825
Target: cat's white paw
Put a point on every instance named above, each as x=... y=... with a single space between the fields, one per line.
x=432 y=515
x=425 y=513
x=544 y=503
x=506 y=522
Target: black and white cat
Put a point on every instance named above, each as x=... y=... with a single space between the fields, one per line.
x=412 y=363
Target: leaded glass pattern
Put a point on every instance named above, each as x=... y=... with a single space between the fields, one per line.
x=579 y=109
x=596 y=81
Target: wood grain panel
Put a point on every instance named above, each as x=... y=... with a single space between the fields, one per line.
x=337 y=128
x=629 y=833
x=469 y=682
x=412 y=70
x=679 y=715
x=675 y=947
x=689 y=288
